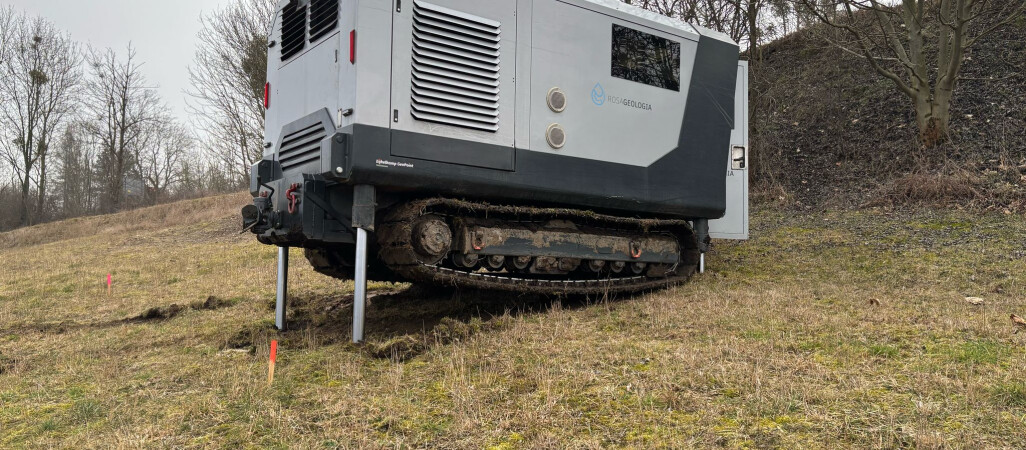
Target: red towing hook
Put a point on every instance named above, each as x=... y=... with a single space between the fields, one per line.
x=635 y=250
x=290 y=194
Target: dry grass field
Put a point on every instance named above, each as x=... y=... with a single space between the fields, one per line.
x=826 y=330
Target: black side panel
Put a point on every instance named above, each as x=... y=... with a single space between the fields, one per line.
x=704 y=143
x=437 y=148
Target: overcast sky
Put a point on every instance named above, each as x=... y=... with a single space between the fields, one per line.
x=162 y=31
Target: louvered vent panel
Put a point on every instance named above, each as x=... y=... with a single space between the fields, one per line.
x=323 y=18
x=301 y=147
x=293 y=29
x=455 y=68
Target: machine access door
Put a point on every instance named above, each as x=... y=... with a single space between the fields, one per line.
x=734 y=224
x=453 y=67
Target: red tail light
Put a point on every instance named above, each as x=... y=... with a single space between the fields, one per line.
x=267 y=95
x=352 y=47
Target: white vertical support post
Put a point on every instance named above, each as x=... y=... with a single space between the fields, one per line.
x=364 y=205
x=282 y=293
x=701 y=227
x=360 y=293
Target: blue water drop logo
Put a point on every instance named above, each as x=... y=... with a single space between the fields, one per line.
x=598 y=95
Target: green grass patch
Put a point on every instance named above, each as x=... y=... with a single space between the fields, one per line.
x=1010 y=393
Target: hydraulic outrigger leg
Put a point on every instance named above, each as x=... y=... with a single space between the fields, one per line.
x=360 y=280
x=702 y=234
x=282 y=292
x=363 y=221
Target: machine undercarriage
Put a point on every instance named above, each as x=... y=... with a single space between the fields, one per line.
x=522 y=249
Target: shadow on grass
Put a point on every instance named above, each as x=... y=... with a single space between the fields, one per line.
x=154 y=314
x=403 y=324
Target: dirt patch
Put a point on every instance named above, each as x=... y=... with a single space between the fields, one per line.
x=451 y=330
x=447 y=331
x=56 y=327
x=246 y=337
x=174 y=309
x=6 y=364
x=158 y=313
x=399 y=348
x=212 y=303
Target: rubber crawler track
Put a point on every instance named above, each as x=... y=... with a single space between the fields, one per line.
x=396 y=251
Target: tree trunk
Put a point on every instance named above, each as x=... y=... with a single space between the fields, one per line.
x=41 y=195
x=932 y=118
x=24 y=220
x=116 y=186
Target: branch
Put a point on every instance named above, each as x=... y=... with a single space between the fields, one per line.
x=854 y=53
x=1011 y=17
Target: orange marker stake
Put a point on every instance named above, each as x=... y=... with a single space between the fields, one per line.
x=108 y=285
x=270 y=368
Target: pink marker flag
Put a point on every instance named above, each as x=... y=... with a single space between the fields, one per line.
x=108 y=284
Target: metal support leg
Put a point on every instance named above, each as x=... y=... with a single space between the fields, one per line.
x=364 y=205
x=283 y=281
x=360 y=294
x=702 y=235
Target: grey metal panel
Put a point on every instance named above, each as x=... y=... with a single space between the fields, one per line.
x=626 y=122
x=373 y=63
x=347 y=72
x=302 y=147
x=734 y=224
x=522 y=129
x=308 y=83
x=439 y=118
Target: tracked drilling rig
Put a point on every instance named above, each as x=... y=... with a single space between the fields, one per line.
x=542 y=146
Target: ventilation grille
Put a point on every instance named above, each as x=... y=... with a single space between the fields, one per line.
x=301 y=147
x=293 y=29
x=323 y=18
x=455 y=68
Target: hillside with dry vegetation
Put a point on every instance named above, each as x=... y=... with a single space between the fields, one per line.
x=834 y=329
x=831 y=132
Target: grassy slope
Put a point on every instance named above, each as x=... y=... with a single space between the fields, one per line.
x=777 y=346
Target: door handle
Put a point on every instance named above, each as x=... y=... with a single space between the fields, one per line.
x=737 y=158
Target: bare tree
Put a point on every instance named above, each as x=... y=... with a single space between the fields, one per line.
x=120 y=106
x=919 y=45
x=74 y=170
x=745 y=21
x=40 y=76
x=228 y=79
x=6 y=31
x=160 y=160
x=6 y=24
x=8 y=201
